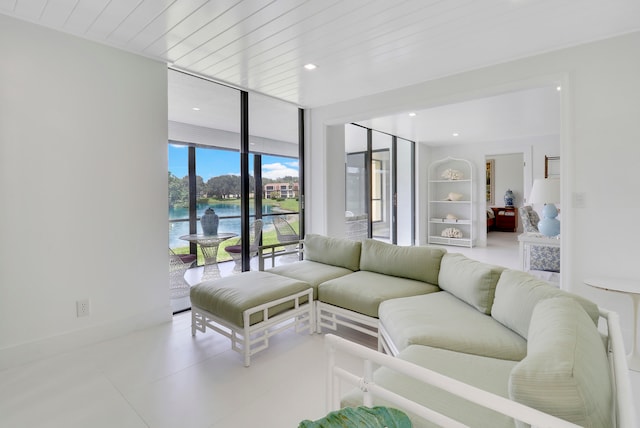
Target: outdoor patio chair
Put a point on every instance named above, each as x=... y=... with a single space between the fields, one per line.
x=284 y=231
x=178 y=265
x=235 y=249
x=287 y=236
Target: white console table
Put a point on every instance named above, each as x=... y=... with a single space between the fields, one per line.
x=632 y=289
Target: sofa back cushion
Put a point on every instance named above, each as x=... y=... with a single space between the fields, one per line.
x=419 y=263
x=469 y=280
x=566 y=370
x=517 y=294
x=332 y=251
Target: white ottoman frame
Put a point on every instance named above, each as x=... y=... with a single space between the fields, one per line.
x=251 y=339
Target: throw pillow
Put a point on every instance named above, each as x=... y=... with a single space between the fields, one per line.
x=469 y=280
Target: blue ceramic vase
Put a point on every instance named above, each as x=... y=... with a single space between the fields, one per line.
x=508 y=198
x=209 y=222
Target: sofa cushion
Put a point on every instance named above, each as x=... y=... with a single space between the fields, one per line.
x=230 y=296
x=517 y=293
x=313 y=273
x=332 y=251
x=441 y=320
x=489 y=374
x=419 y=263
x=469 y=280
x=566 y=371
x=363 y=291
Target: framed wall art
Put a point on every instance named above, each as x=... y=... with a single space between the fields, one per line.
x=552 y=167
x=491 y=166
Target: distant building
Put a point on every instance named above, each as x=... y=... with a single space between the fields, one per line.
x=280 y=190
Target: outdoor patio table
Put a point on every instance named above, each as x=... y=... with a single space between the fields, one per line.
x=209 y=245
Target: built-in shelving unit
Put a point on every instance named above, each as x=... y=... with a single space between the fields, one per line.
x=451 y=203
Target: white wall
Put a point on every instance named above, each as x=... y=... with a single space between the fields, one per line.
x=83 y=185
x=600 y=150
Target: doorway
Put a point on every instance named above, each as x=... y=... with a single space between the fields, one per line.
x=504 y=193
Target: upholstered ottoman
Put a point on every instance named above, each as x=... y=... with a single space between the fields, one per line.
x=250 y=307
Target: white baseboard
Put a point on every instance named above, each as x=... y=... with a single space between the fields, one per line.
x=32 y=351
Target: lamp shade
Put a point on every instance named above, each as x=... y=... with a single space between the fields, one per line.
x=545 y=191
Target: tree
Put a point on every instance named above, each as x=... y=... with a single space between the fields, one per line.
x=223 y=186
x=178 y=191
x=201 y=188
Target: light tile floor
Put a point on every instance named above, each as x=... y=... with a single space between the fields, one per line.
x=162 y=377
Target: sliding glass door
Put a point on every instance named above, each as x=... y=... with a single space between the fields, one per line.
x=379 y=186
x=381 y=194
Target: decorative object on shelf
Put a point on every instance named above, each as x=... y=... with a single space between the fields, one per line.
x=454 y=196
x=451 y=217
x=452 y=174
x=209 y=222
x=509 y=198
x=452 y=232
x=547 y=191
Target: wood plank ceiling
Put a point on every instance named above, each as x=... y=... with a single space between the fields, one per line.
x=359 y=46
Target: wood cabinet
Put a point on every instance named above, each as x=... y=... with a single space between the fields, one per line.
x=506 y=218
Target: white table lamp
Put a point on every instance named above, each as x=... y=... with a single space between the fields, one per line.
x=547 y=191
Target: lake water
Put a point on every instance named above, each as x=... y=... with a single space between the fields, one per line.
x=225 y=225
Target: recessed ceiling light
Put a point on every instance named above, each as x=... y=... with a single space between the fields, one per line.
x=412 y=114
x=455 y=134
x=195 y=109
x=310 y=66
x=558 y=88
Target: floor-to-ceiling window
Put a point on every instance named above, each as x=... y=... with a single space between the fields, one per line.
x=379 y=186
x=274 y=141
x=204 y=157
x=225 y=147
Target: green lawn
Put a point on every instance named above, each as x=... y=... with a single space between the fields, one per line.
x=268 y=238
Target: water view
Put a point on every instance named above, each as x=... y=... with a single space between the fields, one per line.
x=218 y=180
x=226 y=225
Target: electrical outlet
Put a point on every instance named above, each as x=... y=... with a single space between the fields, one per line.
x=83 y=308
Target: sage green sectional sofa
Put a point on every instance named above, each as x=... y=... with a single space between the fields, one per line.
x=500 y=330
x=352 y=278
